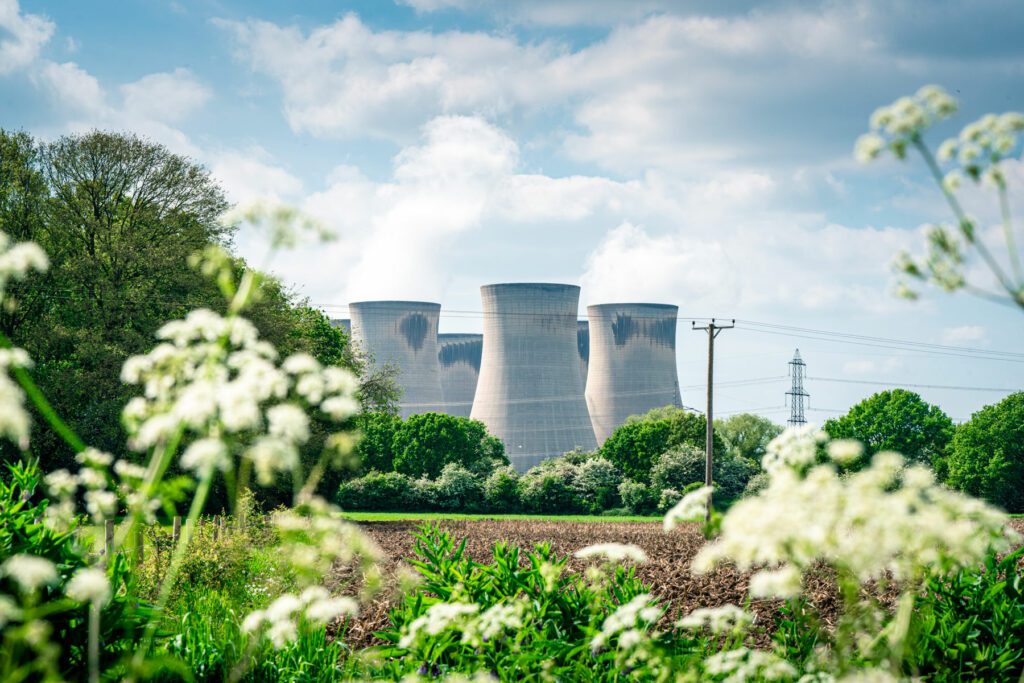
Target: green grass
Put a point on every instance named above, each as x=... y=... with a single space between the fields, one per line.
x=418 y=516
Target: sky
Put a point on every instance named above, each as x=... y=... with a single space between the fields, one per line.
x=693 y=153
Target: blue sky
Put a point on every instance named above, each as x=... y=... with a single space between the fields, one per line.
x=689 y=153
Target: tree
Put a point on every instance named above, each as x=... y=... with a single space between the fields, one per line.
x=375 y=448
x=425 y=443
x=987 y=454
x=682 y=466
x=636 y=445
x=746 y=436
x=897 y=420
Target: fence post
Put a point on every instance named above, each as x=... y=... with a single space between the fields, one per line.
x=176 y=530
x=216 y=527
x=140 y=544
x=108 y=539
x=223 y=526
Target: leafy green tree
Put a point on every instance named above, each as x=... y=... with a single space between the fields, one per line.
x=375 y=444
x=987 y=454
x=897 y=420
x=425 y=443
x=501 y=490
x=636 y=445
x=746 y=435
x=682 y=466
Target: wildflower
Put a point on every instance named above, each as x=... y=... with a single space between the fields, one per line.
x=692 y=507
x=947 y=150
x=281 y=633
x=270 y=455
x=613 y=552
x=845 y=451
x=288 y=422
x=100 y=504
x=327 y=610
x=952 y=181
x=128 y=470
x=89 y=585
x=340 y=407
x=92 y=479
x=743 y=664
x=92 y=457
x=9 y=610
x=778 y=583
x=60 y=483
x=437 y=618
x=868 y=147
x=716 y=619
x=640 y=611
x=205 y=455
x=494 y=621
x=30 y=572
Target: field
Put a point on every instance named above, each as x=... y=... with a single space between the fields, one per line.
x=454 y=516
x=667 y=571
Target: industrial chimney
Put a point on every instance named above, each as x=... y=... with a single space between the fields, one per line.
x=459 y=356
x=403 y=333
x=530 y=393
x=632 y=366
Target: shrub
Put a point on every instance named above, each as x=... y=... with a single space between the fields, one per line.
x=377 y=432
x=377 y=491
x=597 y=484
x=667 y=499
x=756 y=484
x=987 y=454
x=501 y=490
x=636 y=497
x=636 y=445
x=678 y=467
x=457 y=490
x=548 y=488
x=425 y=443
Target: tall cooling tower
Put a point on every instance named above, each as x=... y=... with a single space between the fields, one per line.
x=459 y=355
x=343 y=323
x=583 y=344
x=530 y=393
x=632 y=362
x=403 y=333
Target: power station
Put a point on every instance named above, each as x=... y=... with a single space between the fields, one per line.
x=541 y=380
x=404 y=334
x=530 y=392
x=459 y=357
x=632 y=366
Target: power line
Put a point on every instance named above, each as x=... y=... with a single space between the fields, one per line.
x=912 y=385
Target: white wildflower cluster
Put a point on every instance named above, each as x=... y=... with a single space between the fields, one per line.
x=29 y=571
x=724 y=619
x=14 y=419
x=284 y=225
x=495 y=621
x=314 y=537
x=980 y=148
x=18 y=259
x=93 y=481
x=280 y=621
x=614 y=553
x=629 y=624
x=887 y=518
x=213 y=377
x=438 y=618
x=743 y=664
x=692 y=507
x=894 y=126
x=89 y=585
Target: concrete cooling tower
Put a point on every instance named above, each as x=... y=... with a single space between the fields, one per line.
x=403 y=333
x=343 y=323
x=583 y=344
x=459 y=356
x=632 y=365
x=530 y=394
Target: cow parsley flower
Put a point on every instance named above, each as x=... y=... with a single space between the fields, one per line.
x=722 y=619
x=206 y=455
x=693 y=507
x=89 y=585
x=743 y=664
x=30 y=572
x=494 y=621
x=613 y=552
x=438 y=617
x=640 y=612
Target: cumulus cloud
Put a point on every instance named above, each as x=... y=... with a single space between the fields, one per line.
x=22 y=36
x=965 y=335
x=168 y=97
x=247 y=175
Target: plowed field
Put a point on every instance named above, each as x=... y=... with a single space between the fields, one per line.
x=667 y=571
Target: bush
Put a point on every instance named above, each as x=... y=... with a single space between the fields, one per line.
x=597 y=484
x=377 y=491
x=667 y=499
x=501 y=490
x=457 y=490
x=678 y=467
x=425 y=443
x=377 y=434
x=756 y=484
x=636 y=445
x=636 y=497
x=548 y=488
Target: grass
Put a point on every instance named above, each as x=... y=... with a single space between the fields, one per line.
x=426 y=516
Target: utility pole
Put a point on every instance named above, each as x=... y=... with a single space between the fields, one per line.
x=713 y=329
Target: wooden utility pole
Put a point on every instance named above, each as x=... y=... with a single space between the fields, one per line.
x=713 y=330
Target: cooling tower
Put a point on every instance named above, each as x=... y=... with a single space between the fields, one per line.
x=583 y=344
x=459 y=355
x=632 y=365
x=343 y=323
x=530 y=394
x=403 y=333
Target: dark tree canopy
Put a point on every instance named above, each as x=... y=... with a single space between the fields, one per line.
x=987 y=454
x=897 y=420
x=636 y=445
x=425 y=443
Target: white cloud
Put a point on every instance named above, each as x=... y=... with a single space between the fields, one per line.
x=73 y=89
x=965 y=335
x=168 y=97
x=22 y=36
x=251 y=174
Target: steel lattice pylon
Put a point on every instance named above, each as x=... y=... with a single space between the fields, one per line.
x=796 y=394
